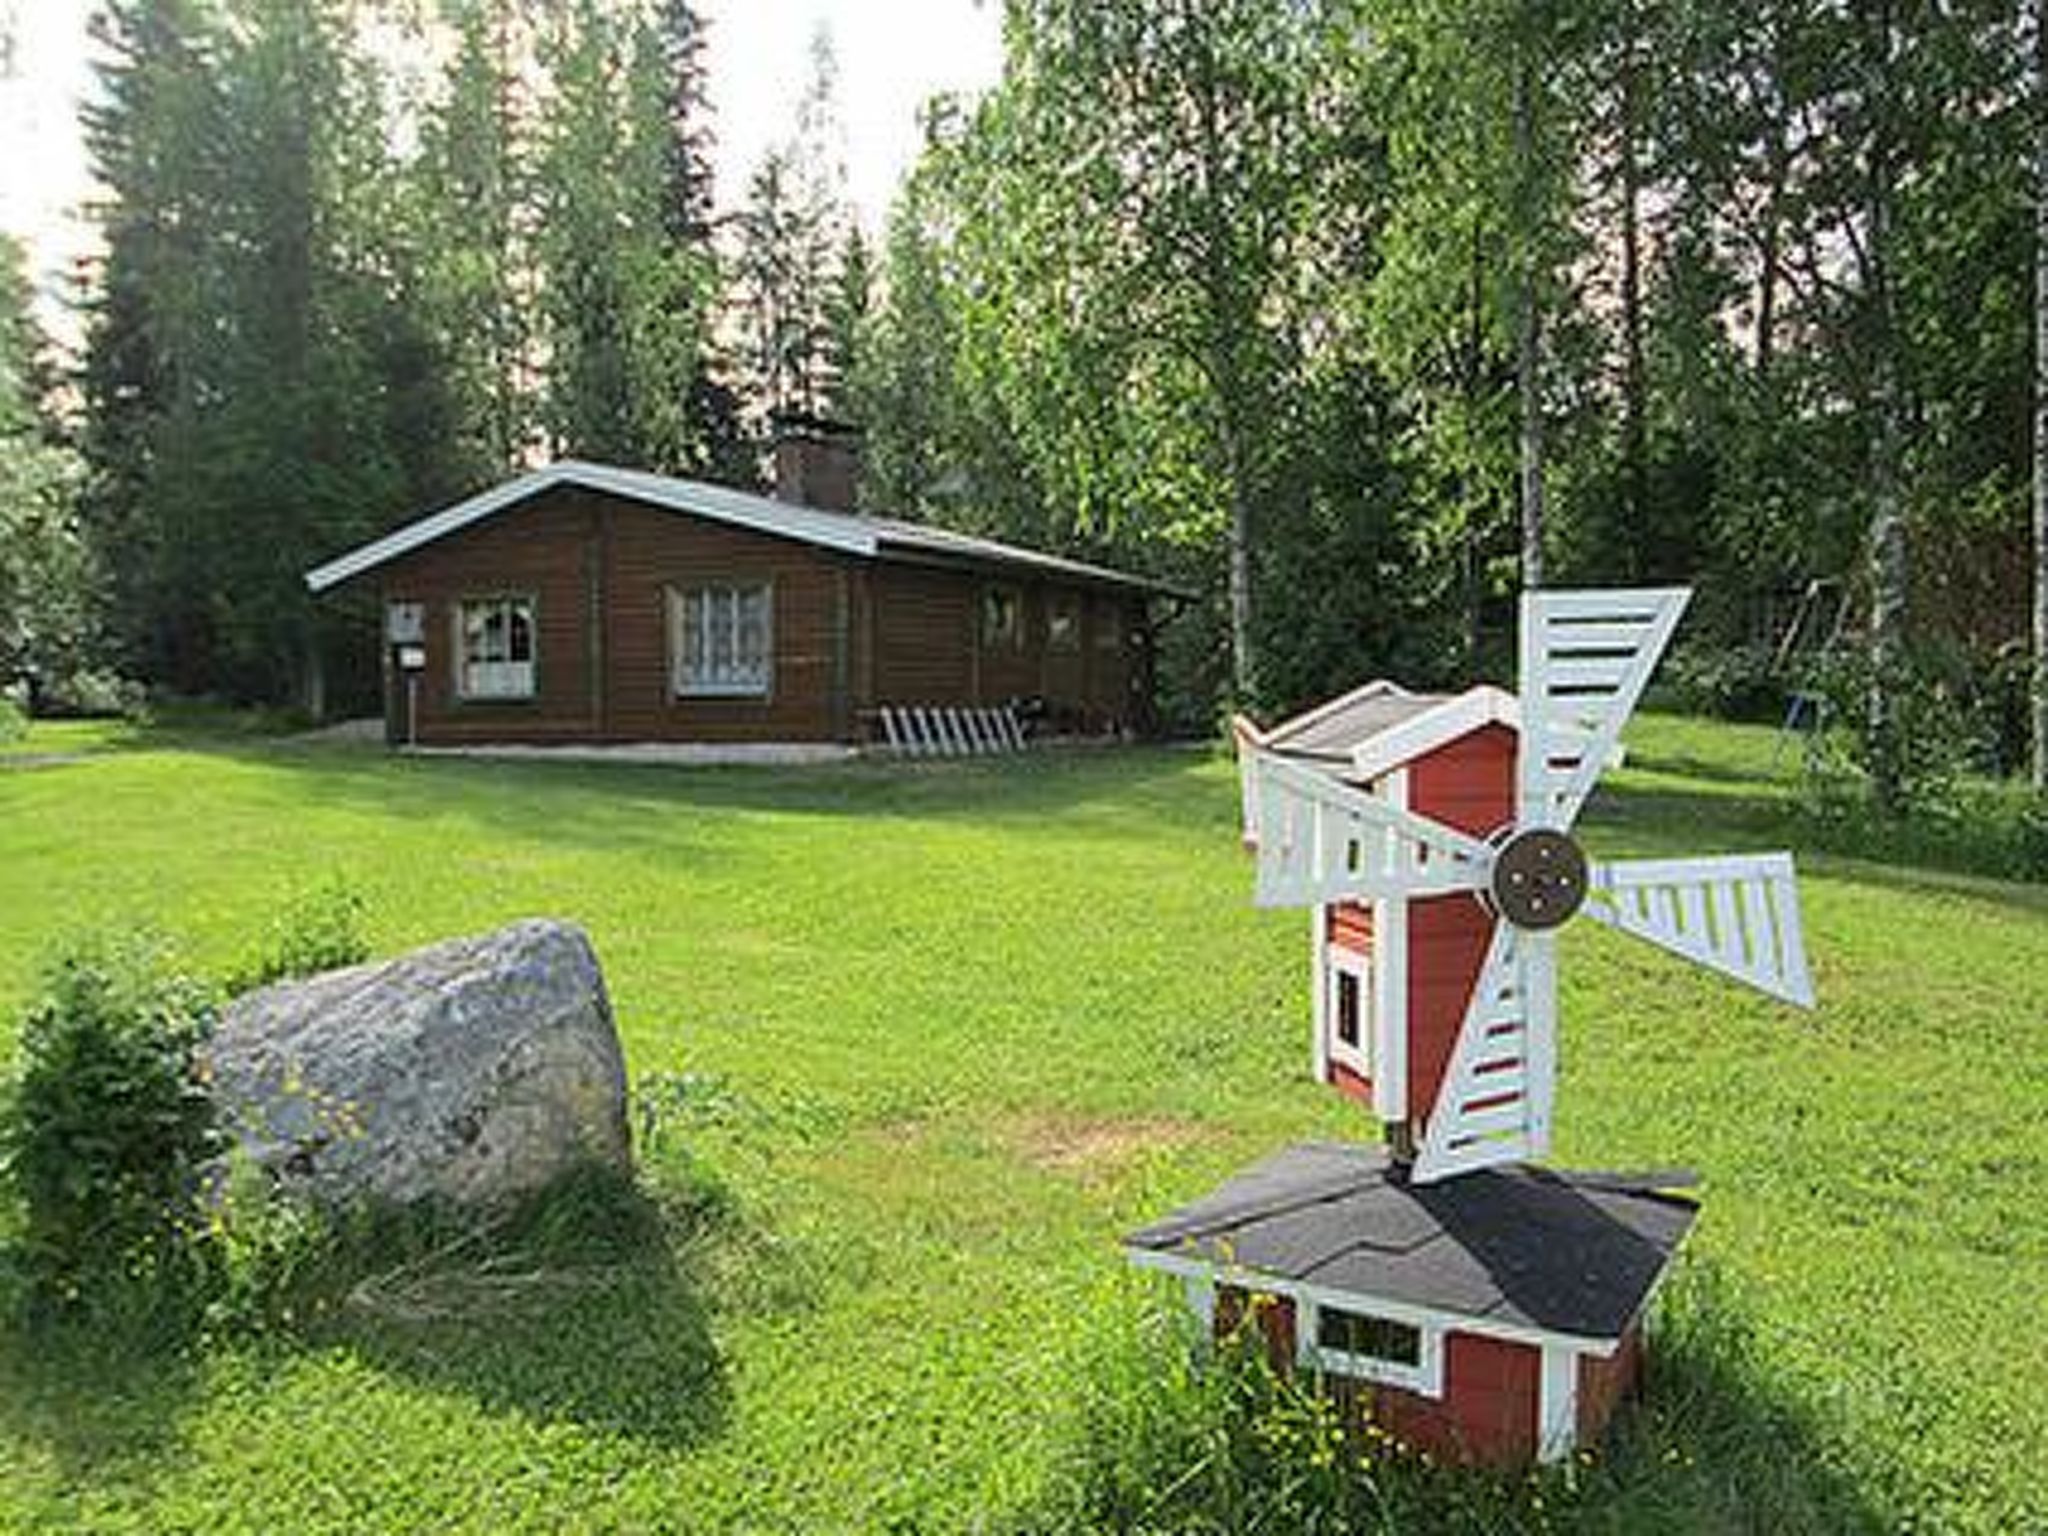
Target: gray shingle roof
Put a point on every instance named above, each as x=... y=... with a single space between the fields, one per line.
x=849 y=533
x=1563 y=1253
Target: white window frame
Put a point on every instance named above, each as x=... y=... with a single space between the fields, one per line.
x=1425 y=1377
x=1108 y=627
x=680 y=600
x=518 y=680
x=1002 y=638
x=1063 y=622
x=1339 y=962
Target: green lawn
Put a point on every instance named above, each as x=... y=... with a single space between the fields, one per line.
x=957 y=1026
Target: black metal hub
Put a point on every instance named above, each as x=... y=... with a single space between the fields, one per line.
x=1539 y=879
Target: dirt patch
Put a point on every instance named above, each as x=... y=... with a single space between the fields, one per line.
x=1086 y=1147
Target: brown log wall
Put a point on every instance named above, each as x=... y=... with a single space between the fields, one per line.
x=848 y=633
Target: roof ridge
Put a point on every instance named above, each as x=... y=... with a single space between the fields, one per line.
x=854 y=533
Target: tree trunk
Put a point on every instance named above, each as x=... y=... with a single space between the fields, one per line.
x=1243 y=664
x=1526 y=333
x=1767 y=261
x=2040 y=677
x=1474 y=487
x=1888 y=576
x=1634 y=388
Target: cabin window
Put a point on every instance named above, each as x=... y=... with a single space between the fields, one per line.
x=494 y=643
x=724 y=641
x=1350 y=1008
x=1109 y=629
x=1002 y=619
x=1063 y=624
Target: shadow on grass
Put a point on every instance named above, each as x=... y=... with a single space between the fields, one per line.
x=588 y=1306
x=103 y=1406
x=1120 y=793
x=1714 y=1444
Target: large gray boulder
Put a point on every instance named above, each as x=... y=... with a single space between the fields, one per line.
x=469 y=1071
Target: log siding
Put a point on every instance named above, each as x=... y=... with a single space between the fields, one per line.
x=848 y=634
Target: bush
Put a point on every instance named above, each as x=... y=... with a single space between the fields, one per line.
x=1734 y=682
x=104 y=1130
x=91 y=693
x=321 y=929
x=13 y=720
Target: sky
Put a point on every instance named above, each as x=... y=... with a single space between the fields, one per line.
x=892 y=54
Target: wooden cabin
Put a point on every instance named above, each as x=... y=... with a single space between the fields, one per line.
x=583 y=603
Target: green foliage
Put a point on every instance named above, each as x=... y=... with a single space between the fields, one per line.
x=50 y=589
x=1930 y=739
x=319 y=929
x=13 y=720
x=106 y=1123
x=1735 y=682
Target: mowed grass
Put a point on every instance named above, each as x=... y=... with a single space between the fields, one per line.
x=955 y=1027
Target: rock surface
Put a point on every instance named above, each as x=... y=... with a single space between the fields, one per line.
x=468 y=1071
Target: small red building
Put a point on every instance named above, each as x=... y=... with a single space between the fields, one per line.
x=1466 y=1301
x=582 y=603
x=1492 y=1317
x=1392 y=978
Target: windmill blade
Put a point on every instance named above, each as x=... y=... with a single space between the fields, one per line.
x=1737 y=914
x=1318 y=839
x=1494 y=1104
x=1585 y=657
x=1249 y=739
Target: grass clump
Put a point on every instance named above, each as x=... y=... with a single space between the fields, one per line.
x=106 y=1124
x=320 y=929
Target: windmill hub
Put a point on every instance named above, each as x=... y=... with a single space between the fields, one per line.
x=1539 y=878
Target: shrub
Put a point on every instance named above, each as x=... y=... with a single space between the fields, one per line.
x=91 y=693
x=107 y=1123
x=13 y=719
x=321 y=929
x=1735 y=682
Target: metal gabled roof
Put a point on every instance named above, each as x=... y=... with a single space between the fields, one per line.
x=846 y=532
x=1381 y=725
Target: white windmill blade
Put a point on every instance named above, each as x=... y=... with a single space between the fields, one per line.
x=1585 y=658
x=1494 y=1105
x=1249 y=739
x=1737 y=914
x=1318 y=839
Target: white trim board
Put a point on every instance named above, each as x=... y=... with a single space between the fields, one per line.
x=1478 y=706
x=1184 y=1267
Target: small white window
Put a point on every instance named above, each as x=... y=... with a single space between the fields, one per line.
x=1002 y=619
x=1063 y=623
x=724 y=641
x=1370 y=1347
x=495 y=648
x=1349 y=1008
x=1108 y=627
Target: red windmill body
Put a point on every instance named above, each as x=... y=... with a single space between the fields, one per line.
x=1468 y=1303
x=1392 y=978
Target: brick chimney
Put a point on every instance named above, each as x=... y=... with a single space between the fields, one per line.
x=817 y=461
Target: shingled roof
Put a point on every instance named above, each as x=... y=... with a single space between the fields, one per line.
x=1557 y=1253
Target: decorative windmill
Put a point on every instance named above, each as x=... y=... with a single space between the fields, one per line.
x=1495 y=1316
